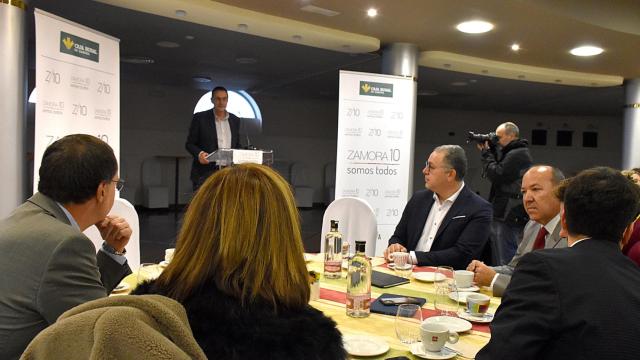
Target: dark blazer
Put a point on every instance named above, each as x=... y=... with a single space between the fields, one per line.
x=460 y=238
x=47 y=267
x=203 y=137
x=581 y=302
x=226 y=330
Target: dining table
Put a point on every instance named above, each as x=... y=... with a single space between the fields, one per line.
x=331 y=300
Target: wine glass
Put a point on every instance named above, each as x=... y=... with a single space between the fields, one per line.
x=446 y=300
x=407 y=324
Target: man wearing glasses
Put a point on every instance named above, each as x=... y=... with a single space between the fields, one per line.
x=447 y=224
x=48 y=266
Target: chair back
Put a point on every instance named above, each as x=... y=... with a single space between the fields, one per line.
x=122 y=208
x=357 y=221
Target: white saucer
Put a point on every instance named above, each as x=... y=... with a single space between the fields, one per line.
x=485 y=319
x=452 y=323
x=121 y=287
x=419 y=351
x=471 y=288
x=405 y=267
x=364 y=345
x=462 y=296
x=428 y=276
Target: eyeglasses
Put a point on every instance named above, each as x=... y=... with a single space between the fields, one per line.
x=119 y=184
x=430 y=167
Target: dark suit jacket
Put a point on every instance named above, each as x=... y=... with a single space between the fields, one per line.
x=46 y=268
x=581 y=302
x=203 y=137
x=461 y=236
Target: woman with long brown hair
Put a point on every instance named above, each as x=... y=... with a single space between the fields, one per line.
x=239 y=271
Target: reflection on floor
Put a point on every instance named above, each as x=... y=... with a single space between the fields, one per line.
x=158 y=231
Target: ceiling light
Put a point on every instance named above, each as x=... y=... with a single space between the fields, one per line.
x=587 y=50
x=372 y=12
x=459 y=83
x=168 y=44
x=201 y=79
x=318 y=10
x=427 y=93
x=181 y=13
x=515 y=47
x=474 y=27
x=297 y=37
x=243 y=27
x=246 y=60
x=189 y=37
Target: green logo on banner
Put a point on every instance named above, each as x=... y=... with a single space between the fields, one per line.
x=376 y=89
x=80 y=47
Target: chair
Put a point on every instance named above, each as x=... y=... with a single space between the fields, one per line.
x=301 y=191
x=123 y=208
x=357 y=221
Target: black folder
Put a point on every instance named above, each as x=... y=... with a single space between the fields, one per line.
x=384 y=280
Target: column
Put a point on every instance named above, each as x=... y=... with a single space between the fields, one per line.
x=12 y=103
x=631 y=125
x=401 y=59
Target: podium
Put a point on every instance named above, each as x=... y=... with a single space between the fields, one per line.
x=226 y=157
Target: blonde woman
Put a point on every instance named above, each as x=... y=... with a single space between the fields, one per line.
x=239 y=271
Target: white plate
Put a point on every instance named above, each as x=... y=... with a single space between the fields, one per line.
x=163 y=263
x=486 y=318
x=428 y=276
x=462 y=296
x=121 y=287
x=471 y=288
x=419 y=351
x=364 y=345
x=452 y=323
x=308 y=257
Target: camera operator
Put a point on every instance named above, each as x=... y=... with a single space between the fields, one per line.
x=504 y=165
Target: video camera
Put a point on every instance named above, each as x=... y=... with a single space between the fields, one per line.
x=491 y=137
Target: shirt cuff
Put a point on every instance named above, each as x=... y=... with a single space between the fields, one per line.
x=495 y=277
x=120 y=259
x=414 y=259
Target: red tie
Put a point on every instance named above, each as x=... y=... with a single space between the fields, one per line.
x=539 y=243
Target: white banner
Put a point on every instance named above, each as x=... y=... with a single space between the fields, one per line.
x=376 y=126
x=77 y=82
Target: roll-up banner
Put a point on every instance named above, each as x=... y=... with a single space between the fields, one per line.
x=77 y=82
x=375 y=145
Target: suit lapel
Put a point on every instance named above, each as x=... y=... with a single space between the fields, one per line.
x=554 y=239
x=455 y=210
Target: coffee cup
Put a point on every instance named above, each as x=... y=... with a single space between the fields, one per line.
x=464 y=278
x=168 y=254
x=434 y=336
x=478 y=304
x=400 y=259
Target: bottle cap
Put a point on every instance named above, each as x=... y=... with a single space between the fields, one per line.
x=360 y=246
x=334 y=224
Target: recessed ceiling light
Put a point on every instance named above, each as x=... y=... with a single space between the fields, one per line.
x=474 y=27
x=297 y=37
x=168 y=44
x=587 y=50
x=515 y=47
x=318 y=10
x=189 y=37
x=473 y=81
x=459 y=83
x=181 y=13
x=427 y=93
x=246 y=60
x=372 y=12
x=201 y=79
x=138 y=60
x=243 y=27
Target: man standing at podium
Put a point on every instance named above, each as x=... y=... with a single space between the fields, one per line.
x=211 y=130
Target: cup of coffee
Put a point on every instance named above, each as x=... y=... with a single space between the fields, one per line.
x=464 y=278
x=400 y=259
x=478 y=304
x=434 y=336
x=168 y=254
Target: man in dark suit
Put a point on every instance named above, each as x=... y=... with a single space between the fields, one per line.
x=448 y=224
x=209 y=131
x=579 y=302
x=47 y=264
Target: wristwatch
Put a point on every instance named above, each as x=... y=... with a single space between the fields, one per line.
x=108 y=248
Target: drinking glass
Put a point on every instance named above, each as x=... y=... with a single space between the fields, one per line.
x=408 y=320
x=148 y=271
x=446 y=300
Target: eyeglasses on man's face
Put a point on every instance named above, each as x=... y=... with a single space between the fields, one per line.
x=430 y=167
x=119 y=184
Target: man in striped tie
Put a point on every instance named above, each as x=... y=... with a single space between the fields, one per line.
x=541 y=232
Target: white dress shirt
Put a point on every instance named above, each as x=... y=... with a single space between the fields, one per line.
x=438 y=211
x=223 y=131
